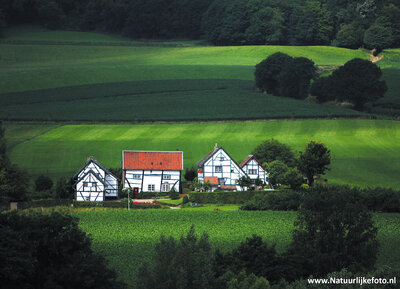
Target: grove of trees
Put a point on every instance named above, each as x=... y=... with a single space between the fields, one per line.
x=285 y=169
x=357 y=81
x=345 y=23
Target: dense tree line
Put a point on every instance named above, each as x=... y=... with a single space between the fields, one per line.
x=346 y=23
x=156 y=19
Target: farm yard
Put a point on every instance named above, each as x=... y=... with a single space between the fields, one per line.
x=127 y=239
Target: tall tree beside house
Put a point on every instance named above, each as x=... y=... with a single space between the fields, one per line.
x=314 y=160
x=272 y=150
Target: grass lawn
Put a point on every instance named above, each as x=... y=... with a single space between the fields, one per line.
x=364 y=152
x=127 y=239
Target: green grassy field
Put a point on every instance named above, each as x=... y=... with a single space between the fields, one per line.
x=52 y=82
x=127 y=239
x=162 y=100
x=364 y=152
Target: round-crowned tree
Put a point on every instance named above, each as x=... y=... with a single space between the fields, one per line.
x=271 y=150
x=267 y=72
x=379 y=37
x=334 y=230
x=358 y=82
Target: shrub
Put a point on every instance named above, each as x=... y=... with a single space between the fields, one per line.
x=173 y=195
x=190 y=174
x=221 y=197
x=65 y=188
x=44 y=203
x=111 y=204
x=150 y=195
x=185 y=200
x=43 y=183
x=281 y=200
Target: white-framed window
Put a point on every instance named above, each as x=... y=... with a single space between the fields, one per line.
x=165 y=188
x=151 y=188
x=218 y=169
x=252 y=172
x=166 y=177
x=136 y=176
x=221 y=158
x=85 y=185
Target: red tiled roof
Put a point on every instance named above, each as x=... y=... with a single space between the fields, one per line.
x=148 y=160
x=242 y=164
x=213 y=180
x=249 y=158
x=203 y=160
x=228 y=187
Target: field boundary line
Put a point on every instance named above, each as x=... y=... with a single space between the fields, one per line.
x=10 y=148
x=95 y=43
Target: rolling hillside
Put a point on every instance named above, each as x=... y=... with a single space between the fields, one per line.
x=44 y=79
x=364 y=152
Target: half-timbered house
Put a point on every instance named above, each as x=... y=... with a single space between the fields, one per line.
x=152 y=171
x=220 y=170
x=253 y=169
x=95 y=183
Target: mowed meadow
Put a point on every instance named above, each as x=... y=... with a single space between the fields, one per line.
x=127 y=238
x=364 y=152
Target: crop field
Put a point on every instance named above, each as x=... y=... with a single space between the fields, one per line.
x=91 y=80
x=127 y=239
x=364 y=152
x=162 y=100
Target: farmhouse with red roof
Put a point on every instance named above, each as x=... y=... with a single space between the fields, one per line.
x=152 y=171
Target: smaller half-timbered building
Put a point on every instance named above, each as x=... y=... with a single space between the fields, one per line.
x=220 y=170
x=152 y=171
x=253 y=169
x=95 y=183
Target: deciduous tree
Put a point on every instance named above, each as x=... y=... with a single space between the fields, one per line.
x=334 y=230
x=314 y=160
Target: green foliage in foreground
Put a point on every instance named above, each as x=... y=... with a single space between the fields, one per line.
x=363 y=152
x=127 y=239
x=44 y=251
